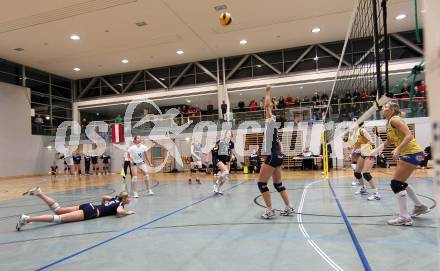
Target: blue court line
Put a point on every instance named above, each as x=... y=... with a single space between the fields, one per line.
x=358 y=247
x=129 y=231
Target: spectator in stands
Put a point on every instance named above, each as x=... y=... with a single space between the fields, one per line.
x=281 y=103
x=421 y=89
x=253 y=106
x=261 y=104
x=305 y=101
x=289 y=101
x=316 y=99
x=274 y=103
x=382 y=161
x=210 y=109
x=335 y=104
x=241 y=106
x=324 y=98
x=404 y=91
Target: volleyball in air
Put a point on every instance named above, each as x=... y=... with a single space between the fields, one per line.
x=225 y=18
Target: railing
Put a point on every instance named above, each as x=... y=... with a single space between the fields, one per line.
x=337 y=112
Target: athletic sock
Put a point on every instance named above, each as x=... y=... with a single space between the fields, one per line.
x=413 y=196
x=401 y=201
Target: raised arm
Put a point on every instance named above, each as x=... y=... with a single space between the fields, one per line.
x=267 y=103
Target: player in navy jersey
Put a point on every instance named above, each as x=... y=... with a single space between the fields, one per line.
x=87 y=160
x=105 y=163
x=53 y=170
x=95 y=166
x=77 y=162
x=196 y=161
x=109 y=206
x=224 y=148
x=272 y=164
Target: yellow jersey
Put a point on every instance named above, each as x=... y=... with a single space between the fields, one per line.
x=396 y=137
x=362 y=142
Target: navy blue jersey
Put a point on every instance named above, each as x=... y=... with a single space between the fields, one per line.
x=105 y=158
x=94 y=159
x=53 y=168
x=109 y=208
x=87 y=159
x=77 y=159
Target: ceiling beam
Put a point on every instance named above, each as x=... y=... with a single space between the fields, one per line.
x=239 y=64
x=156 y=79
x=110 y=86
x=205 y=70
x=333 y=54
x=181 y=75
x=303 y=55
x=367 y=53
x=136 y=76
x=87 y=88
x=408 y=43
x=267 y=63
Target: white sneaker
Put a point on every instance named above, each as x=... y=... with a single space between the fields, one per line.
x=135 y=195
x=374 y=196
x=22 y=220
x=33 y=191
x=215 y=189
x=150 y=192
x=362 y=191
x=268 y=214
x=420 y=210
x=219 y=191
x=400 y=221
x=355 y=183
x=287 y=211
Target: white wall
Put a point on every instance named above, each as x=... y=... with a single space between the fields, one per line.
x=22 y=153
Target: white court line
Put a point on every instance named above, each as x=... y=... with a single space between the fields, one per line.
x=306 y=234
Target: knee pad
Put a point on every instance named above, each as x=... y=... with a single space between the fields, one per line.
x=263 y=187
x=358 y=175
x=367 y=176
x=279 y=187
x=54 y=207
x=57 y=219
x=353 y=166
x=397 y=186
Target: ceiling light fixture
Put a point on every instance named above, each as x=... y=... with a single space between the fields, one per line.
x=74 y=37
x=125 y=61
x=19 y=49
x=243 y=42
x=258 y=66
x=76 y=69
x=400 y=16
x=316 y=30
x=140 y=24
x=179 y=52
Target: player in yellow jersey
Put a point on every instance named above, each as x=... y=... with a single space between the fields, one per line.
x=409 y=155
x=363 y=147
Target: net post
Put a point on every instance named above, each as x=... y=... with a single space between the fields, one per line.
x=386 y=44
x=376 y=48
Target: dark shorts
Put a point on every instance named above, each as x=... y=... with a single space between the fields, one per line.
x=95 y=160
x=89 y=211
x=222 y=158
x=274 y=160
x=77 y=162
x=414 y=158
